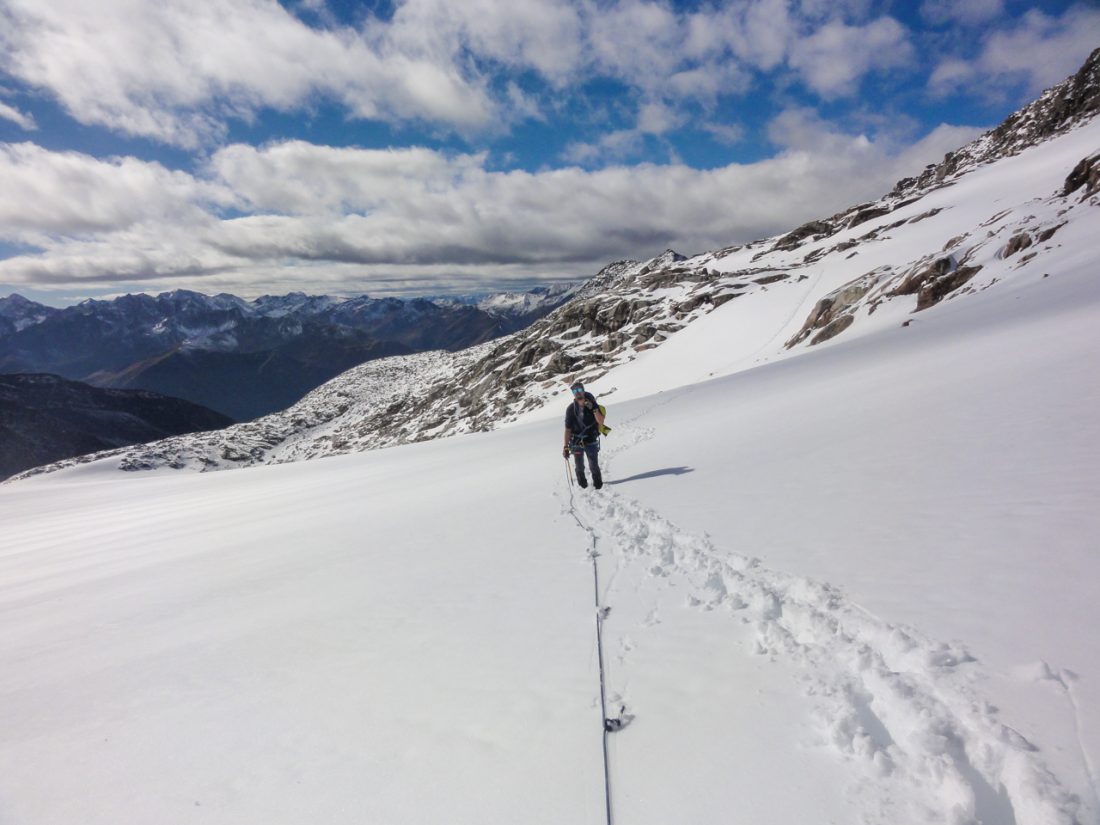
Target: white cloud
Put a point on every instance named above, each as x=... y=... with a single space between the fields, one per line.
x=614 y=145
x=834 y=59
x=332 y=219
x=174 y=70
x=949 y=75
x=67 y=193
x=178 y=71
x=299 y=178
x=655 y=118
x=24 y=121
x=758 y=33
x=1039 y=51
x=850 y=10
x=968 y=13
x=543 y=35
x=1045 y=49
x=725 y=133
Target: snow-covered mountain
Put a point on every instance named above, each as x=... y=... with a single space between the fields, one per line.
x=244 y=358
x=17 y=313
x=1013 y=207
x=521 y=305
x=844 y=581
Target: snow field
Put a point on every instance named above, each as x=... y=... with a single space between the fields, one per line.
x=298 y=643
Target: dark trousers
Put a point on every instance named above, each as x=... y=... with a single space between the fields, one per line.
x=593 y=452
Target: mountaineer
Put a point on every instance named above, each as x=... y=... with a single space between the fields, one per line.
x=583 y=426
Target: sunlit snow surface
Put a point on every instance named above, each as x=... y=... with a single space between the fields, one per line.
x=850 y=583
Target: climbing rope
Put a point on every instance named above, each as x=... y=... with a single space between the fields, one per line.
x=609 y=725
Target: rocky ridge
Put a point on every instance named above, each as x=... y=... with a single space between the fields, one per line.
x=1058 y=109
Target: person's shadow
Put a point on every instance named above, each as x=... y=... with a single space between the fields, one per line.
x=668 y=471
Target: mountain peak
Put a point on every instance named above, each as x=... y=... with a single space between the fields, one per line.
x=19 y=313
x=669 y=256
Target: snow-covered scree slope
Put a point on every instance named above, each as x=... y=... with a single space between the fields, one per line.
x=1014 y=207
x=853 y=586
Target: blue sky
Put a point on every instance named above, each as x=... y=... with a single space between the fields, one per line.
x=432 y=146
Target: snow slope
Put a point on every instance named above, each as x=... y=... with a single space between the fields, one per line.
x=853 y=581
x=858 y=585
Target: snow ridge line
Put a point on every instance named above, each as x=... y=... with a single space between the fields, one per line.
x=593 y=553
x=899 y=707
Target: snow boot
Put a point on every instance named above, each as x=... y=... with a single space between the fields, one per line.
x=582 y=481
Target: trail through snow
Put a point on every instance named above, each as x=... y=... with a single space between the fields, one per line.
x=899 y=710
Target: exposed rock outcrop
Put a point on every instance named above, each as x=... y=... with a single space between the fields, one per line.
x=832 y=314
x=1085 y=174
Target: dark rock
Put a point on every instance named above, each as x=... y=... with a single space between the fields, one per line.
x=813 y=229
x=925 y=215
x=938 y=289
x=1019 y=241
x=771 y=279
x=865 y=215
x=833 y=329
x=833 y=313
x=916 y=281
x=958 y=239
x=1086 y=174
x=722 y=298
x=1048 y=233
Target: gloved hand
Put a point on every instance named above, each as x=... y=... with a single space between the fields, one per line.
x=565 y=452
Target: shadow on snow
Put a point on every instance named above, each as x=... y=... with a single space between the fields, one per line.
x=668 y=471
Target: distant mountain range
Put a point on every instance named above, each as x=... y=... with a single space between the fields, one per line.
x=44 y=418
x=245 y=358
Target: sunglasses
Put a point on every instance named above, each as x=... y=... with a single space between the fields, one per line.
x=578 y=392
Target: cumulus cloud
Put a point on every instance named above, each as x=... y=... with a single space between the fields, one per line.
x=725 y=133
x=175 y=70
x=969 y=13
x=1037 y=52
x=837 y=56
x=337 y=219
x=68 y=193
x=178 y=71
x=615 y=145
x=299 y=178
x=24 y=121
